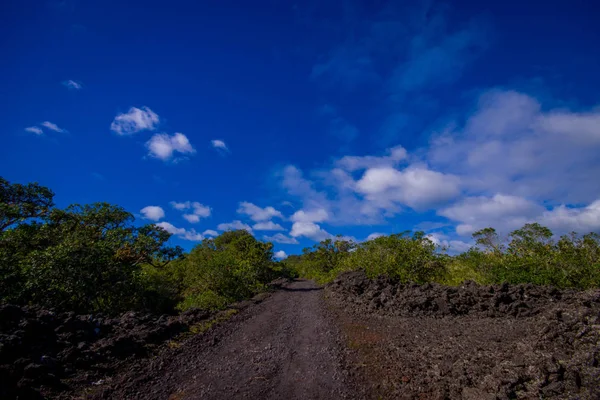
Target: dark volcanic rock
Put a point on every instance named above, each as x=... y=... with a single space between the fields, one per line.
x=41 y=351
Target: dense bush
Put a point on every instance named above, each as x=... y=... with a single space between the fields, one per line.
x=92 y=258
x=228 y=268
x=529 y=255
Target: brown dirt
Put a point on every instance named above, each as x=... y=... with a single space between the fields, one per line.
x=283 y=348
x=357 y=339
x=471 y=342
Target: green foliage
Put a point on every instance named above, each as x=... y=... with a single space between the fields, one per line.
x=19 y=203
x=83 y=258
x=532 y=255
x=92 y=258
x=228 y=268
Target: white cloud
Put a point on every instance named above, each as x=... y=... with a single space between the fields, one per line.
x=234 y=225
x=280 y=255
x=180 y=206
x=258 y=214
x=354 y=163
x=73 y=85
x=192 y=218
x=153 y=213
x=309 y=230
x=181 y=233
x=564 y=219
x=210 y=232
x=511 y=145
x=503 y=212
x=280 y=238
x=198 y=210
x=375 y=235
x=163 y=146
x=415 y=186
x=267 y=226
x=318 y=215
x=34 y=129
x=135 y=120
x=453 y=246
x=219 y=144
x=51 y=126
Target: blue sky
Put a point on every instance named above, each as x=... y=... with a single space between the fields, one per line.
x=303 y=120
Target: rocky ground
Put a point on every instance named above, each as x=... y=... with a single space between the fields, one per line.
x=357 y=338
x=469 y=342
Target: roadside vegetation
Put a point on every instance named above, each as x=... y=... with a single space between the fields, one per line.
x=94 y=258
x=531 y=254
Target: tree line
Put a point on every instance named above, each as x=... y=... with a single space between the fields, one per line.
x=94 y=258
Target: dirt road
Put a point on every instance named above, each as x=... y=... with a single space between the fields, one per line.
x=283 y=348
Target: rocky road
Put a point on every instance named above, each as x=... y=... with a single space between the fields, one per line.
x=286 y=347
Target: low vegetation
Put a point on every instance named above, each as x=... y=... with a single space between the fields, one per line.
x=529 y=255
x=94 y=258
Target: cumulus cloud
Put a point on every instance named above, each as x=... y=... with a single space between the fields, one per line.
x=257 y=213
x=210 y=232
x=318 y=215
x=280 y=255
x=73 y=85
x=267 y=226
x=52 y=126
x=135 y=120
x=164 y=147
x=280 y=238
x=153 y=213
x=504 y=212
x=198 y=210
x=511 y=145
x=564 y=219
x=34 y=129
x=219 y=144
x=309 y=230
x=185 y=234
x=415 y=186
x=234 y=225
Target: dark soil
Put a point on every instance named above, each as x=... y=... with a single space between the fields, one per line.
x=43 y=353
x=470 y=342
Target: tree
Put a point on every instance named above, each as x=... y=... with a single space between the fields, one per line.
x=19 y=203
x=84 y=258
x=489 y=240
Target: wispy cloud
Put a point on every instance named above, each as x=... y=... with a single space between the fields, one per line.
x=219 y=145
x=198 y=210
x=34 y=129
x=280 y=238
x=182 y=233
x=135 y=120
x=52 y=126
x=257 y=213
x=153 y=213
x=72 y=85
x=267 y=226
x=234 y=225
x=165 y=147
